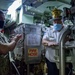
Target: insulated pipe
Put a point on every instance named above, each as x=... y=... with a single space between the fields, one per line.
x=62 y=58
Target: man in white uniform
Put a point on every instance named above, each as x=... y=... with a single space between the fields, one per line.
x=52 y=38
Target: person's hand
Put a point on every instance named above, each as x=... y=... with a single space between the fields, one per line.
x=17 y=37
x=52 y=44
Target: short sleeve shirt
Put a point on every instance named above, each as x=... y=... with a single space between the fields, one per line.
x=54 y=36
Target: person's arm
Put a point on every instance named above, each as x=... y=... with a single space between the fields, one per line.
x=6 y=47
x=48 y=43
x=48 y=38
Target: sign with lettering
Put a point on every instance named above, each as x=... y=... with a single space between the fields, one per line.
x=32 y=52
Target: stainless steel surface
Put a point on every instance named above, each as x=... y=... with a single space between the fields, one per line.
x=69 y=47
x=62 y=58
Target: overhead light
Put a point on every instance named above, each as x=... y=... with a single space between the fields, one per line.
x=14 y=6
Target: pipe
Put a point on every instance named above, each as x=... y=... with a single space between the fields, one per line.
x=15 y=68
x=62 y=58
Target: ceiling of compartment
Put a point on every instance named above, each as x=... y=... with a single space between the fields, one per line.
x=37 y=5
x=4 y=4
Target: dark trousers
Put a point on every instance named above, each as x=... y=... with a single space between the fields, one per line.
x=53 y=70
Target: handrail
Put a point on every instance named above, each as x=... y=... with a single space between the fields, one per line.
x=62 y=58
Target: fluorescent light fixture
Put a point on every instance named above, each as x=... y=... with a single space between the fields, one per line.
x=14 y=6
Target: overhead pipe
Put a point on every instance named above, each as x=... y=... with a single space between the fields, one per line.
x=65 y=2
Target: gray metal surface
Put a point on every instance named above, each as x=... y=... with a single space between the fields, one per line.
x=62 y=57
x=32 y=46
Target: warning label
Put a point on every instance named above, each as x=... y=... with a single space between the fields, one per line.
x=32 y=52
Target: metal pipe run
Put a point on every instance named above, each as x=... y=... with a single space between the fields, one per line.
x=62 y=57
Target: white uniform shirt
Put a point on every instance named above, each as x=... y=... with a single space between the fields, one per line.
x=51 y=35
